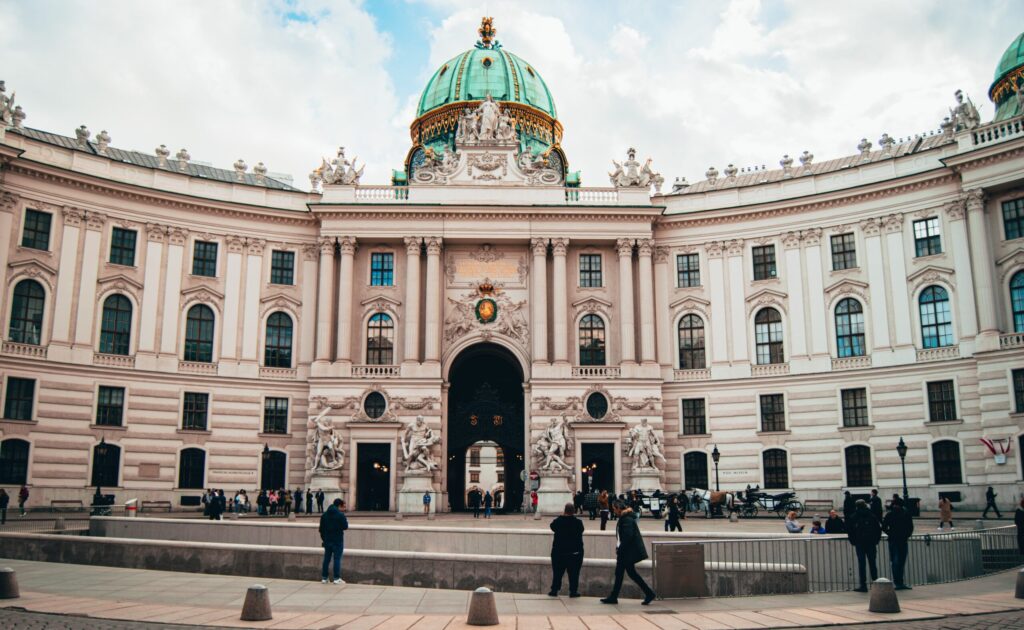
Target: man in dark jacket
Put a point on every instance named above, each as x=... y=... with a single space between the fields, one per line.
x=865 y=531
x=320 y=496
x=898 y=526
x=849 y=506
x=332 y=532
x=834 y=524
x=566 y=551
x=590 y=503
x=309 y=501
x=298 y=500
x=474 y=502
x=990 y=503
x=876 y=505
x=628 y=551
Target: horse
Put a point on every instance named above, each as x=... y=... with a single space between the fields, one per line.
x=714 y=498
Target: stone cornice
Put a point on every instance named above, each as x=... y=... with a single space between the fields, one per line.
x=383 y=212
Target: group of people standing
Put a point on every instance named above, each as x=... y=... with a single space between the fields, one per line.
x=5 y=500
x=477 y=500
x=268 y=502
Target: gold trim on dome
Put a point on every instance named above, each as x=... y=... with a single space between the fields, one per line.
x=515 y=76
x=458 y=75
x=1007 y=84
x=446 y=118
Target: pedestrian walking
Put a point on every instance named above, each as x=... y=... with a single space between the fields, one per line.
x=1018 y=520
x=309 y=501
x=474 y=502
x=566 y=551
x=945 y=513
x=672 y=523
x=865 y=531
x=5 y=499
x=298 y=501
x=333 y=524
x=898 y=526
x=605 y=507
x=876 y=505
x=591 y=503
x=488 y=504
x=834 y=524
x=320 y=501
x=629 y=549
x=577 y=502
x=990 y=503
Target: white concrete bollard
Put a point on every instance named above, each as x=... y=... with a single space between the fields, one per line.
x=483 y=610
x=9 y=584
x=398 y=516
x=257 y=604
x=734 y=517
x=58 y=524
x=979 y=524
x=1020 y=585
x=883 y=597
x=291 y=516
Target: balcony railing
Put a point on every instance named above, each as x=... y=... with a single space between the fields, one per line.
x=851 y=363
x=596 y=371
x=938 y=354
x=691 y=375
x=194 y=367
x=1011 y=340
x=278 y=373
x=24 y=349
x=591 y=195
x=382 y=193
x=113 y=360
x=771 y=369
x=376 y=371
x=997 y=132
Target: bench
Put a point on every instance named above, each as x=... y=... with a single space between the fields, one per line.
x=816 y=506
x=71 y=505
x=156 y=505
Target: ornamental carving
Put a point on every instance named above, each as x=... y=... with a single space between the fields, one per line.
x=811 y=237
x=235 y=244
x=893 y=223
x=714 y=249
x=326 y=246
x=662 y=253
x=310 y=251
x=348 y=245
x=871 y=227
x=72 y=216
x=620 y=403
x=415 y=405
x=624 y=247
x=256 y=246
x=954 y=210
x=645 y=246
x=508 y=318
x=559 y=246
x=433 y=245
x=930 y=275
x=592 y=305
x=974 y=199
x=692 y=304
x=539 y=246
x=847 y=288
x=791 y=240
x=734 y=247
x=8 y=201
x=490 y=166
x=572 y=403
x=389 y=409
x=584 y=415
x=767 y=297
x=486 y=254
x=630 y=174
x=412 y=245
x=177 y=235
x=436 y=167
x=486 y=125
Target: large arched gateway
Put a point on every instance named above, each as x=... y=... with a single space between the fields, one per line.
x=485 y=407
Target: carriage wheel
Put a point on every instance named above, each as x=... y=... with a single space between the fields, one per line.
x=797 y=507
x=750 y=511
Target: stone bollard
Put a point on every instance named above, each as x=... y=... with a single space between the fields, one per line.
x=398 y=516
x=291 y=516
x=734 y=517
x=536 y=514
x=9 y=584
x=430 y=516
x=1020 y=585
x=257 y=604
x=58 y=524
x=979 y=524
x=883 y=597
x=483 y=611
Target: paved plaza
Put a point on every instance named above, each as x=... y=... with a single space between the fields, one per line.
x=140 y=597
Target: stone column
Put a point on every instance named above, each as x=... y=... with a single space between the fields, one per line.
x=662 y=318
x=232 y=297
x=307 y=313
x=87 y=280
x=155 y=236
x=67 y=272
x=737 y=299
x=560 y=293
x=324 y=295
x=251 y=332
x=815 y=287
x=8 y=206
x=176 y=238
x=875 y=264
x=344 y=342
x=716 y=282
x=540 y=298
x=626 y=322
x=432 y=341
x=981 y=259
x=411 y=352
x=794 y=278
x=904 y=315
x=645 y=248
x=962 y=251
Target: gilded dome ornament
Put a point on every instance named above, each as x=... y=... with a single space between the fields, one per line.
x=487 y=33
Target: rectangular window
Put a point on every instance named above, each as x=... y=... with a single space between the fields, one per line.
x=693 y=419
x=1018 y=390
x=474 y=477
x=122 y=247
x=1013 y=218
x=382 y=269
x=474 y=457
x=941 y=401
x=37 y=230
x=844 y=252
x=196 y=409
x=501 y=477
x=110 y=406
x=764 y=262
x=590 y=270
x=282 y=267
x=688 y=270
x=275 y=415
x=926 y=237
x=855 y=407
x=21 y=393
x=773 y=412
x=204 y=259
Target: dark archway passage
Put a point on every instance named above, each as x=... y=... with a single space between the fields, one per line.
x=485 y=402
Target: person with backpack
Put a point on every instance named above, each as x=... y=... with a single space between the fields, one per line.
x=566 y=551
x=898 y=526
x=333 y=524
x=864 y=532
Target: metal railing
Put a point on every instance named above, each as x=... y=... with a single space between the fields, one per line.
x=59 y=519
x=830 y=562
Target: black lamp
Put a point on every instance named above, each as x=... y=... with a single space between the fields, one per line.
x=266 y=452
x=715 y=456
x=101 y=448
x=901 y=449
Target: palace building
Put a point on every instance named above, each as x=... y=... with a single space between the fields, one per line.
x=169 y=326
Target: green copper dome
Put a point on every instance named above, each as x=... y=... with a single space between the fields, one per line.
x=1009 y=77
x=480 y=71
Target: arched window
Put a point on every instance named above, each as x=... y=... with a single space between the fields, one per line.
x=13 y=462
x=849 y=328
x=116 y=327
x=936 y=325
x=192 y=469
x=695 y=470
x=27 y=313
x=106 y=464
x=858 y=466
x=946 y=461
x=768 y=336
x=272 y=474
x=1016 y=299
x=199 y=334
x=591 y=340
x=278 y=349
x=380 y=340
x=691 y=343
x=776 y=469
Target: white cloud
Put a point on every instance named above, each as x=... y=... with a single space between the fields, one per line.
x=689 y=84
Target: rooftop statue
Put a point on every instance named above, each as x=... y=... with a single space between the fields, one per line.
x=6 y=105
x=630 y=174
x=339 y=170
x=964 y=113
x=487 y=124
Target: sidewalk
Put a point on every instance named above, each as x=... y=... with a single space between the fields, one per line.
x=216 y=600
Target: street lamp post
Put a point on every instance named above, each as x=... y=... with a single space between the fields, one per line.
x=715 y=455
x=901 y=449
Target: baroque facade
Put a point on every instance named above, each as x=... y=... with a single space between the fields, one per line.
x=169 y=326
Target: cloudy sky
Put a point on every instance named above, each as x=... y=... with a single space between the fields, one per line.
x=690 y=84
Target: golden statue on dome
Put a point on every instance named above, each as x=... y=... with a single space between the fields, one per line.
x=487 y=32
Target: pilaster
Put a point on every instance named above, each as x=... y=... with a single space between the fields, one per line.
x=645 y=250
x=325 y=291
x=981 y=260
x=627 y=342
x=663 y=319
x=560 y=295
x=232 y=297
x=432 y=340
x=67 y=273
x=345 y=288
x=82 y=350
x=411 y=352
x=538 y=279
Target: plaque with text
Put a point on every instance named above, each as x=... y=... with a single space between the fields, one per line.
x=503 y=268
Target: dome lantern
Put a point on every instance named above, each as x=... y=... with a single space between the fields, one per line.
x=1007 y=90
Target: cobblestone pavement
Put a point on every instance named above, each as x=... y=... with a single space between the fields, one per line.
x=995 y=621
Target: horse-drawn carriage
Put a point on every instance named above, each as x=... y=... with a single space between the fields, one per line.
x=747 y=502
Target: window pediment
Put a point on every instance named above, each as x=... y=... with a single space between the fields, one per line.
x=767 y=297
x=120 y=281
x=930 y=274
x=203 y=294
x=1010 y=263
x=32 y=268
x=592 y=304
x=847 y=287
x=691 y=303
